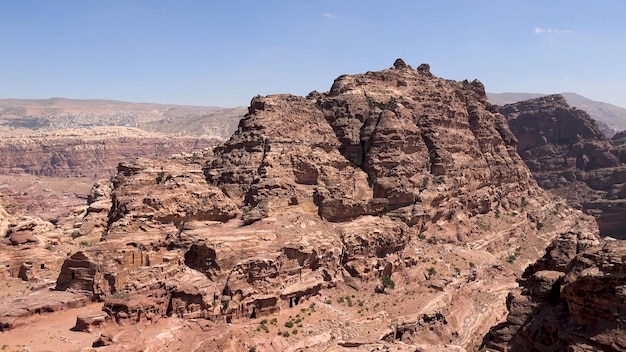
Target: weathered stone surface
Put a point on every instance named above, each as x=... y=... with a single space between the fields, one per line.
x=561 y=251
x=395 y=178
x=17 y=312
x=100 y=191
x=89 y=152
x=170 y=193
x=568 y=154
x=127 y=308
x=77 y=273
x=582 y=308
x=88 y=322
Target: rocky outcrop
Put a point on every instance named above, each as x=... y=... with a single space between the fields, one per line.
x=90 y=321
x=568 y=154
x=376 y=143
x=77 y=273
x=395 y=178
x=17 y=312
x=26 y=245
x=580 y=307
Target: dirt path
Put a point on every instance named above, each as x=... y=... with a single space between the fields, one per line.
x=50 y=334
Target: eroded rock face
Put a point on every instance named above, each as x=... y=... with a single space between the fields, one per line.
x=579 y=308
x=373 y=144
x=396 y=174
x=90 y=321
x=88 y=153
x=26 y=245
x=568 y=154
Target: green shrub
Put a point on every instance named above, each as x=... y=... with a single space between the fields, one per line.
x=482 y=225
x=388 y=282
x=432 y=271
x=160 y=177
x=121 y=295
x=356 y=160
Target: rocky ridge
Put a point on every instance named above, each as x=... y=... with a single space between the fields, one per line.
x=572 y=299
x=394 y=186
x=610 y=118
x=568 y=154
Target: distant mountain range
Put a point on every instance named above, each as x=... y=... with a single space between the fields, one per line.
x=608 y=116
x=62 y=113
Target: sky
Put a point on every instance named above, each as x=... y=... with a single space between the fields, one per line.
x=222 y=53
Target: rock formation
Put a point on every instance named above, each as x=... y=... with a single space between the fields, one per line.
x=572 y=299
x=92 y=153
x=392 y=210
x=610 y=118
x=567 y=153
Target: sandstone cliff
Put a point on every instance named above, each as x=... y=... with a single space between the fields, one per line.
x=392 y=210
x=567 y=153
x=92 y=153
x=572 y=299
x=610 y=118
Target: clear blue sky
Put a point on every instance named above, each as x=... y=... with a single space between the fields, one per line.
x=207 y=52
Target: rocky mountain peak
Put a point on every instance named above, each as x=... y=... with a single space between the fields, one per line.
x=394 y=186
x=372 y=144
x=399 y=64
x=567 y=153
x=549 y=120
x=548 y=102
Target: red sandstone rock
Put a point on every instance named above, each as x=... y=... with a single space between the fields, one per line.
x=87 y=322
x=568 y=154
x=396 y=174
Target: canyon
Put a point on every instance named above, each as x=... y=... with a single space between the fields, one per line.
x=52 y=150
x=392 y=212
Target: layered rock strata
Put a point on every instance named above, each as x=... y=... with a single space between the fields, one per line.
x=572 y=299
x=568 y=154
x=396 y=182
x=91 y=153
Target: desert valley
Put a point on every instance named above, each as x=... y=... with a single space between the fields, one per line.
x=397 y=211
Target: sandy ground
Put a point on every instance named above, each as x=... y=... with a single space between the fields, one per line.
x=50 y=334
